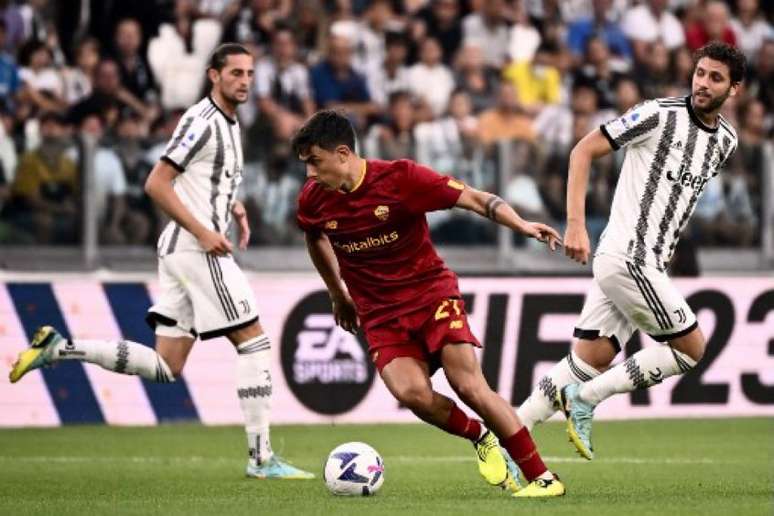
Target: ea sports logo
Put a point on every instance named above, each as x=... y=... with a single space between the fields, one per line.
x=326 y=368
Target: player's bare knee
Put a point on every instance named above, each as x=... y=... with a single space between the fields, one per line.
x=417 y=397
x=471 y=389
x=692 y=345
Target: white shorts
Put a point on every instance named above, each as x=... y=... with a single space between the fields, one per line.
x=202 y=295
x=625 y=297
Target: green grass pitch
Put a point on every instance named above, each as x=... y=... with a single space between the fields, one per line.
x=716 y=466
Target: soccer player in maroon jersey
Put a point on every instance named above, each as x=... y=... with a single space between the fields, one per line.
x=367 y=235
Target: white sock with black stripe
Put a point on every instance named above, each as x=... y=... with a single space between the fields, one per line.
x=121 y=356
x=644 y=369
x=254 y=391
x=540 y=404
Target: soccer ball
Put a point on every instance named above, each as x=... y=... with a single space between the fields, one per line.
x=354 y=469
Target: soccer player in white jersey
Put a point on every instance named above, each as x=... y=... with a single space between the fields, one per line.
x=674 y=147
x=203 y=291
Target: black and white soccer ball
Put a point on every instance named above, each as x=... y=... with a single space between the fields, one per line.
x=354 y=469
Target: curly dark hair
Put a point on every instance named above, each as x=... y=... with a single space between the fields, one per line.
x=732 y=57
x=327 y=129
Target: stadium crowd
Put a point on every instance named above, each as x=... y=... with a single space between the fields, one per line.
x=438 y=81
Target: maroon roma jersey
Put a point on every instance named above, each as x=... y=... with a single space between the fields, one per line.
x=380 y=236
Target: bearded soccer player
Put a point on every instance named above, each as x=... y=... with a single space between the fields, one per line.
x=204 y=293
x=674 y=147
x=367 y=235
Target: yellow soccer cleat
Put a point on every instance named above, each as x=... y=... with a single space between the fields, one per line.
x=39 y=355
x=541 y=488
x=493 y=464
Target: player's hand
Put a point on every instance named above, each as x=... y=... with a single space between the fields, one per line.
x=215 y=243
x=542 y=233
x=240 y=216
x=576 y=242
x=344 y=312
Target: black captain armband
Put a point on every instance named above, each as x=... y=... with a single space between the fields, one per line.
x=491 y=207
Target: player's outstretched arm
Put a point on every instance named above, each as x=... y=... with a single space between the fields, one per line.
x=325 y=262
x=576 y=238
x=493 y=207
x=158 y=186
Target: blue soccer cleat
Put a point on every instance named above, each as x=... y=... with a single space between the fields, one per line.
x=579 y=417
x=277 y=468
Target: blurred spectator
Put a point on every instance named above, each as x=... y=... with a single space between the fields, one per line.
x=44 y=192
x=9 y=72
x=601 y=71
x=506 y=120
x=8 y=159
x=109 y=98
x=477 y=79
x=377 y=19
x=395 y=138
x=270 y=198
x=392 y=75
x=440 y=20
x=554 y=125
x=682 y=69
x=310 y=24
x=654 y=74
x=751 y=154
x=448 y=144
x=254 y=22
x=430 y=79
x=760 y=82
x=524 y=38
x=537 y=82
x=179 y=54
x=42 y=84
x=713 y=25
x=336 y=84
x=598 y=26
x=79 y=79
x=750 y=27
x=650 y=22
x=140 y=218
x=521 y=190
x=282 y=86
x=109 y=182
x=488 y=29
x=14 y=25
x=136 y=75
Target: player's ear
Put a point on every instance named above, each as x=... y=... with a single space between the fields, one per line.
x=212 y=75
x=343 y=152
x=734 y=89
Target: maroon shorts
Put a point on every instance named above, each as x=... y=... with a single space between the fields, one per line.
x=421 y=334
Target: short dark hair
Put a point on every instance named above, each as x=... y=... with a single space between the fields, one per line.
x=220 y=54
x=732 y=57
x=327 y=129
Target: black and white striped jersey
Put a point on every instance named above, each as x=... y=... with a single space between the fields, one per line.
x=207 y=151
x=670 y=157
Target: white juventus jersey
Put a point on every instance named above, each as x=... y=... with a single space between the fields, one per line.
x=207 y=151
x=670 y=157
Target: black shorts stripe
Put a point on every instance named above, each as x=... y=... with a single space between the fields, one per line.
x=657 y=299
x=646 y=296
x=229 y=299
x=205 y=335
x=218 y=289
x=671 y=336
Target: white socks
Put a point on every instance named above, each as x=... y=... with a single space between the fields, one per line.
x=645 y=368
x=121 y=356
x=540 y=404
x=254 y=390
